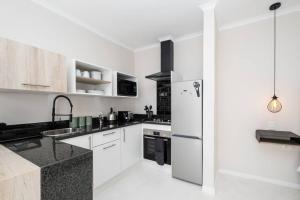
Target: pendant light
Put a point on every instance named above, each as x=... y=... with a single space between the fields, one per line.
x=274 y=105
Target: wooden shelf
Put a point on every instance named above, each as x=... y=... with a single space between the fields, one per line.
x=91 y=81
x=88 y=94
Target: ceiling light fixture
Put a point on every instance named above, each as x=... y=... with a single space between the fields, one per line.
x=274 y=105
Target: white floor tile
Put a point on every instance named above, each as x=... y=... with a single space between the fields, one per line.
x=149 y=181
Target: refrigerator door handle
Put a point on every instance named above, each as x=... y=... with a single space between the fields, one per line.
x=187 y=136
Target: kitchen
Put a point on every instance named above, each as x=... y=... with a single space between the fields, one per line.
x=60 y=38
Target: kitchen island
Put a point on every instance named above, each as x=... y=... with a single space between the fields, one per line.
x=66 y=171
x=19 y=178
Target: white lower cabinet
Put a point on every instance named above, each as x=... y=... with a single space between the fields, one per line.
x=105 y=136
x=131 y=145
x=81 y=141
x=113 y=150
x=106 y=161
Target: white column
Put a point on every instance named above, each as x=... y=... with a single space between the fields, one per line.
x=209 y=43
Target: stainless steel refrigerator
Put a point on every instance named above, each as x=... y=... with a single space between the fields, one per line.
x=186 y=139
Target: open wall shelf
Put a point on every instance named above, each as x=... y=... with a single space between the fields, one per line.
x=279 y=137
x=87 y=85
x=106 y=86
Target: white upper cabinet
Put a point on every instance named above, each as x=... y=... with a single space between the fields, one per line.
x=23 y=67
x=131 y=145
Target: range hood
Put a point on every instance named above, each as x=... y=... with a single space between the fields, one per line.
x=166 y=62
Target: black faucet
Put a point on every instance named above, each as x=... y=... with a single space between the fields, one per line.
x=53 y=108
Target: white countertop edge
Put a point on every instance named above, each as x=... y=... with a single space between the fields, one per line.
x=157 y=127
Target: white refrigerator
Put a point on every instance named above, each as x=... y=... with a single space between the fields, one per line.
x=186 y=139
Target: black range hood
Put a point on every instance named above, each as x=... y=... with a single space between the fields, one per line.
x=166 y=62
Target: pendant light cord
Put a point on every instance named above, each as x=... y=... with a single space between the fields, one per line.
x=274 y=51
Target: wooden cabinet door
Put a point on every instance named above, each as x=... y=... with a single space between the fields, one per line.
x=45 y=71
x=56 y=66
x=30 y=68
x=12 y=62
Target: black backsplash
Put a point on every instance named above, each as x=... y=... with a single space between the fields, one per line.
x=164 y=99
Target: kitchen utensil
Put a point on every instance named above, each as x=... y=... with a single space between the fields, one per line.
x=112 y=117
x=2 y=126
x=88 y=120
x=74 y=122
x=149 y=114
x=101 y=119
x=78 y=73
x=100 y=92
x=96 y=75
x=86 y=74
x=130 y=116
x=125 y=116
x=81 y=122
x=146 y=108
x=80 y=91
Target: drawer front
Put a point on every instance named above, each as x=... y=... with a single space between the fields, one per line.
x=106 y=162
x=105 y=137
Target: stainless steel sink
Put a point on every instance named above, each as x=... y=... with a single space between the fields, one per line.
x=60 y=132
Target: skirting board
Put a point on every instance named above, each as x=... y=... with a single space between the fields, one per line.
x=260 y=178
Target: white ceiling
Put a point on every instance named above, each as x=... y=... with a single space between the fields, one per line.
x=139 y=23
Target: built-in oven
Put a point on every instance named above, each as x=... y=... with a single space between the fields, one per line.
x=157 y=146
x=126 y=87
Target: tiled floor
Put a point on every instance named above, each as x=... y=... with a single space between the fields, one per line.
x=148 y=181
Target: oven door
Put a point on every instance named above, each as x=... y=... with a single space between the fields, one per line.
x=149 y=149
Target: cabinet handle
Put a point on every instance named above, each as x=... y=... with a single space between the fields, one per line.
x=108 y=147
x=124 y=135
x=105 y=134
x=150 y=138
x=39 y=85
x=90 y=141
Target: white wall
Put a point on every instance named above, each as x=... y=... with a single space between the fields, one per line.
x=32 y=24
x=187 y=63
x=188 y=58
x=244 y=87
x=146 y=62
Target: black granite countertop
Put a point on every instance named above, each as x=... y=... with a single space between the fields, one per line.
x=44 y=151
x=96 y=129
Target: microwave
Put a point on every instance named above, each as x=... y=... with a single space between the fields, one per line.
x=126 y=88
